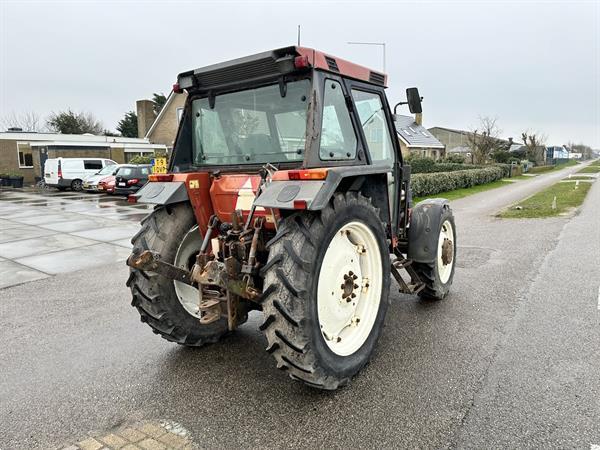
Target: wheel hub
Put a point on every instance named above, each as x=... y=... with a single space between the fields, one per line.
x=348 y=286
x=447 y=251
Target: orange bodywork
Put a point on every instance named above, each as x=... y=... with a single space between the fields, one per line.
x=222 y=196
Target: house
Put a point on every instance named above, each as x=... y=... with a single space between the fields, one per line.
x=161 y=129
x=25 y=152
x=451 y=138
x=557 y=152
x=416 y=140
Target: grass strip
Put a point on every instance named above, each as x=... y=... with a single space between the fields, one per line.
x=464 y=192
x=579 y=177
x=568 y=196
x=589 y=169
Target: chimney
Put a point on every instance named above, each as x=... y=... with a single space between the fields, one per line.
x=145 y=116
x=419 y=118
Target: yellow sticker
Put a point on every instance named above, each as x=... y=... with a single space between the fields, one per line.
x=160 y=165
x=194 y=184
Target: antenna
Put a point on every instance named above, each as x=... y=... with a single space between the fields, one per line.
x=298 y=35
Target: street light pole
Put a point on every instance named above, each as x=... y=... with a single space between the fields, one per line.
x=380 y=44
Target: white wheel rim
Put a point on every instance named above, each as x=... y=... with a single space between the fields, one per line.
x=444 y=270
x=352 y=252
x=188 y=295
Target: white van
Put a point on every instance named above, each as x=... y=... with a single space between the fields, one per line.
x=65 y=173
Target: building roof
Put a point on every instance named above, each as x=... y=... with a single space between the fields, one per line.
x=69 y=140
x=414 y=135
x=160 y=114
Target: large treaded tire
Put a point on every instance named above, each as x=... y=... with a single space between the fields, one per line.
x=291 y=274
x=153 y=295
x=435 y=288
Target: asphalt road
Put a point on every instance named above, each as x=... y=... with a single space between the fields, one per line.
x=509 y=360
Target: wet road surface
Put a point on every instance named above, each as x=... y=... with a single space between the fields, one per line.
x=509 y=359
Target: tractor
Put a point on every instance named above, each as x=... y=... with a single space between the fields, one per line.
x=286 y=193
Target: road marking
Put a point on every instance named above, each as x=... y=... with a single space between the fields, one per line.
x=594 y=447
x=598 y=310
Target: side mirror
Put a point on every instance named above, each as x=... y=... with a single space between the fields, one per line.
x=414 y=100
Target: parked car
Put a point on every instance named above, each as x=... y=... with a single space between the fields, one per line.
x=107 y=184
x=131 y=177
x=63 y=173
x=91 y=182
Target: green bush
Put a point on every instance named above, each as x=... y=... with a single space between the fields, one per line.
x=433 y=183
x=141 y=160
x=420 y=164
x=455 y=158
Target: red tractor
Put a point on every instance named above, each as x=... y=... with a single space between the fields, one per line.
x=287 y=194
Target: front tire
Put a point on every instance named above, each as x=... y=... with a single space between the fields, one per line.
x=167 y=305
x=439 y=274
x=325 y=271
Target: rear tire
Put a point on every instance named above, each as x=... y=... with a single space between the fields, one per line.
x=297 y=310
x=438 y=276
x=155 y=296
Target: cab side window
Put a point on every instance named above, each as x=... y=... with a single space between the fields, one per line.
x=375 y=127
x=338 y=139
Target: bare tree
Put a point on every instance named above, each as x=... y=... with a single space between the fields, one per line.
x=27 y=121
x=484 y=140
x=535 y=146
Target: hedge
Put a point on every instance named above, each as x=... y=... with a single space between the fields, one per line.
x=540 y=169
x=428 y=165
x=424 y=184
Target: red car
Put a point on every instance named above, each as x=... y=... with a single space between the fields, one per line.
x=107 y=184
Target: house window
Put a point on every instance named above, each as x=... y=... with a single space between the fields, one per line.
x=25 y=155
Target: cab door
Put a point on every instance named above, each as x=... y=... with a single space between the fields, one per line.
x=379 y=136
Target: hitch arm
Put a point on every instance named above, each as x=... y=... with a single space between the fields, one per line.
x=150 y=261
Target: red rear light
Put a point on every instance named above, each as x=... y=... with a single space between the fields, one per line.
x=300 y=204
x=301 y=62
x=166 y=177
x=177 y=89
x=132 y=181
x=59 y=171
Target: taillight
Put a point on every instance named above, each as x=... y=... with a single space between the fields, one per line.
x=161 y=177
x=59 y=171
x=177 y=89
x=132 y=181
x=300 y=204
x=314 y=174
x=301 y=62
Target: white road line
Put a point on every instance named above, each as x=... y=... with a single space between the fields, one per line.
x=594 y=447
x=598 y=310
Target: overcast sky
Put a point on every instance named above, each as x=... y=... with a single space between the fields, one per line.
x=533 y=65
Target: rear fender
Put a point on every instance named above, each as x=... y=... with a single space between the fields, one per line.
x=185 y=187
x=424 y=228
x=316 y=193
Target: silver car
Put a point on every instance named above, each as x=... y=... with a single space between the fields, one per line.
x=90 y=183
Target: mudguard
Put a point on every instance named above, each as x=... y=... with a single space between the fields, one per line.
x=424 y=228
x=316 y=194
x=159 y=193
x=282 y=194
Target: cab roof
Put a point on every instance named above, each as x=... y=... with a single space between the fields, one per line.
x=273 y=63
